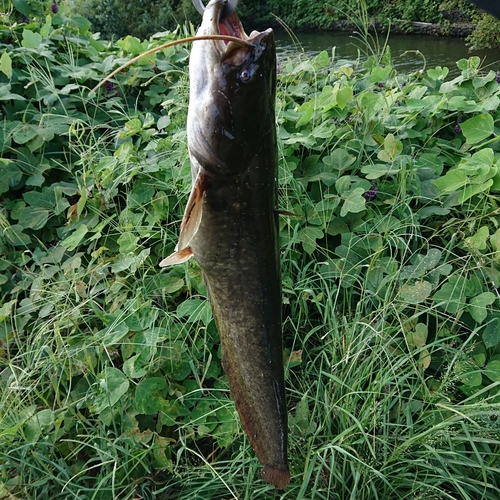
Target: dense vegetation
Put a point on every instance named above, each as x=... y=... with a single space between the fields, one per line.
x=110 y=377
x=141 y=19
x=119 y=18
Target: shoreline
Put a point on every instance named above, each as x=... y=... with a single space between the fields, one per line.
x=456 y=24
x=456 y=30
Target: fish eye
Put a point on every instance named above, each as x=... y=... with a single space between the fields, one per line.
x=246 y=75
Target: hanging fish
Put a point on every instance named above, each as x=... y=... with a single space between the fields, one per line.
x=230 y=222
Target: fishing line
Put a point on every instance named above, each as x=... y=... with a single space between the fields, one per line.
x=226 y=38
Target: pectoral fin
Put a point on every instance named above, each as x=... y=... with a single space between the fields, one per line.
x=177 y=257
x=192 y=214
x=189 y=225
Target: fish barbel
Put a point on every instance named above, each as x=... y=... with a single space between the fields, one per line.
x=230 y=222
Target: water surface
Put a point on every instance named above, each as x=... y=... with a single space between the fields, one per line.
x=436 y=50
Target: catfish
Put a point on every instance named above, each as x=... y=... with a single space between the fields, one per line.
x=230 y=222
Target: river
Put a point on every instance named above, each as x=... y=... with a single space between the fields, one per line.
x=437 y=50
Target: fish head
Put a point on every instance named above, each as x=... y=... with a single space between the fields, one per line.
x=232 y=92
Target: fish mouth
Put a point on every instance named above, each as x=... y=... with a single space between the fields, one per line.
x=223 y=20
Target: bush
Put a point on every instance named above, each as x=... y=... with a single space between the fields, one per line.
x=118 y=18
x=315 y=15
x=487 y=32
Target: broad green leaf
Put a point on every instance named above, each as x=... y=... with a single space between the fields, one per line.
x=496 y=181
x=473 y=378
x=485 y=156
x=24 y=133
x=177 y=365
x=132 y=45
x=42 y=199
x=460 y=103
x=40 y=422
x=15 y=236
x=11 y=175
x=492 y=103
x=31 y=40
x=307 y=140
x=477 y=128
x=492 y=370
x=74 y=239
x=340 y=159
x=135 y=366
x=171 y=283
x=430 y=161
x=162 y=453
x=451 y=181
x=478 y=241
x=344 y=95
x=308 y=236
x=481 y=81
x=479 y=354
x=128 y=242
x=227 y=426
x=149 y=395
x=201 y=411
x=438 y=73
x=478 y=306
x=163 y=122
x=33 y=217
x=354 y=202
x=371 y=103
x=327 y=99
x=423 y=263
x=7 y=95
x=114 y=384
x=113 y=333
x=307 y=113
x=81 y=22
x=195 y=310
x=130 y=261
x=379 y=169
x=495 y=240
x=302 y=420
x=380 y=74
x=418 y=336
x=416 y=293
x=6 y=309
x=472 y=63
x=451 y=295
x=144 y=319
x=321 y=60
x=426 y=212
x=424 y=359
x=491 y=333
x=47 y=26
x=131 y=128
x=472 y=189
x=22 y=6
x=315 y=170
x=392 y=149
x=6 y=65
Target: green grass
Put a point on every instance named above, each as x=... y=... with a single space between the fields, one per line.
x=111 y=384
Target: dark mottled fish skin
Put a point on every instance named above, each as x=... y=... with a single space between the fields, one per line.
x=230 y=224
